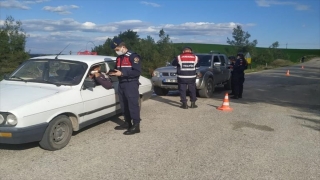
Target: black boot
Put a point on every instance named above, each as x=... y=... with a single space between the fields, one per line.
x=232 y=93
x=125 y=126
x=193 y=105
x=184 y=105
x=134 y=129
x=235 y=97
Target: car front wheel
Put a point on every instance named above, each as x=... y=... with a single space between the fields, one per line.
x=207 y=91
x=57 y=134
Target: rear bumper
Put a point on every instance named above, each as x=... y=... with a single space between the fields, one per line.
x=13 y=135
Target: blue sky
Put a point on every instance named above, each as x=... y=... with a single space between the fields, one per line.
x=52 y=24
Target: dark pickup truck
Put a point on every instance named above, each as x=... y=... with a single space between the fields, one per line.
x=213 y=71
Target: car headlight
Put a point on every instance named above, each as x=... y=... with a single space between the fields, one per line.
x=1 y=119
x=155 y=74
x=12 y=120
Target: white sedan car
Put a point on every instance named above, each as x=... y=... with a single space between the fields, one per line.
x=47 y=98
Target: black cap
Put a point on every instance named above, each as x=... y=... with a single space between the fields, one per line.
x=186 y=47
x=115 y=43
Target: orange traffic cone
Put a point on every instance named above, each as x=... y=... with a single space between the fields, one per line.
x=288 y=73
x=225 y=104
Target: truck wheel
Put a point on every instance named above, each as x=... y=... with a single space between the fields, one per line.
x=160 y=91
x=57 y=134
x=227 y=86
x=207 y=91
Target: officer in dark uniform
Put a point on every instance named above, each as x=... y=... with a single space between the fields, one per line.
x=232 y=60
x=238 y=75
x=187 y=63
x=128 y=70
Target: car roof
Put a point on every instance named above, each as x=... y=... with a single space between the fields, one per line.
x=88 y=59
x=208 y=54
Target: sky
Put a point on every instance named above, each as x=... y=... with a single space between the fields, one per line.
x=53 y=24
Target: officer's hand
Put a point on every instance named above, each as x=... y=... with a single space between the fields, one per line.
x=117 y=73
x=97 y=74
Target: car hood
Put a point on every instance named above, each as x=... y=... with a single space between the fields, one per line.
x=167 y=69
x=13 y=96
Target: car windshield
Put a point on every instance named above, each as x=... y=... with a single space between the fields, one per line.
x=58 y=72
x=204 y=60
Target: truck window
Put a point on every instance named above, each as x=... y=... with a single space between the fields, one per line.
x=223 y=61
x=216 y=59
x=204 y=60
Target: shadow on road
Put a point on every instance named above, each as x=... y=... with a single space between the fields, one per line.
x=309 y=123
x=19 y=146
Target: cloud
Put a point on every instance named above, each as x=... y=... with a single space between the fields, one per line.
x=14 y=4
x=268 y=3
x=150 y=4
x=60 y=9
x=46 y=33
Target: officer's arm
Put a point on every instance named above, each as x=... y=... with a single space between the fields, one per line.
x=135 y=71
x=106 y=83
x=197 y=62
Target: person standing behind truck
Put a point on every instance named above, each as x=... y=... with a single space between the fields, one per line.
x=238 y=75
x=187 y=63
x=232 y=60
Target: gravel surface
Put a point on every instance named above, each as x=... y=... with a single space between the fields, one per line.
x=273 y=132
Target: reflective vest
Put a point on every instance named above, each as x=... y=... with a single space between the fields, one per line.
x=124 y=65
x=186 y=71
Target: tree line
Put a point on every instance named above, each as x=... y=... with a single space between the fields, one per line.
x=154 y=54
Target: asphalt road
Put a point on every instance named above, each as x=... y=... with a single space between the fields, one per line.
x=272 y=133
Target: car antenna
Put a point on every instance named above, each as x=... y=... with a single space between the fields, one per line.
x=61 y=51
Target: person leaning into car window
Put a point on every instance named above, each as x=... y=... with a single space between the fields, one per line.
x=100 y=77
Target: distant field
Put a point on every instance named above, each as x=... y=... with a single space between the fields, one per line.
x=293 y=54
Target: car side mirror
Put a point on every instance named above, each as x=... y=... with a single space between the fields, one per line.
x=217 y=64
x=88 y=83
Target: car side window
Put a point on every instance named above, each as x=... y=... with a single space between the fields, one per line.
x=216 y=59
x=111 y=65
x=223 y=61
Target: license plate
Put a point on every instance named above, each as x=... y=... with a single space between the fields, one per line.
x=170 y=80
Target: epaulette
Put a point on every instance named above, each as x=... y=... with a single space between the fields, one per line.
x=128 y=53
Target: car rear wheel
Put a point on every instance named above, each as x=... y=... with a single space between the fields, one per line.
x=160 y=91
x=207 y=91
x=57 y=134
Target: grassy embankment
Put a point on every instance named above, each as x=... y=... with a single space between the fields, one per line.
x=294 y=55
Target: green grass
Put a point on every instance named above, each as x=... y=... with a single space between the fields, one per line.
x=294 y=55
